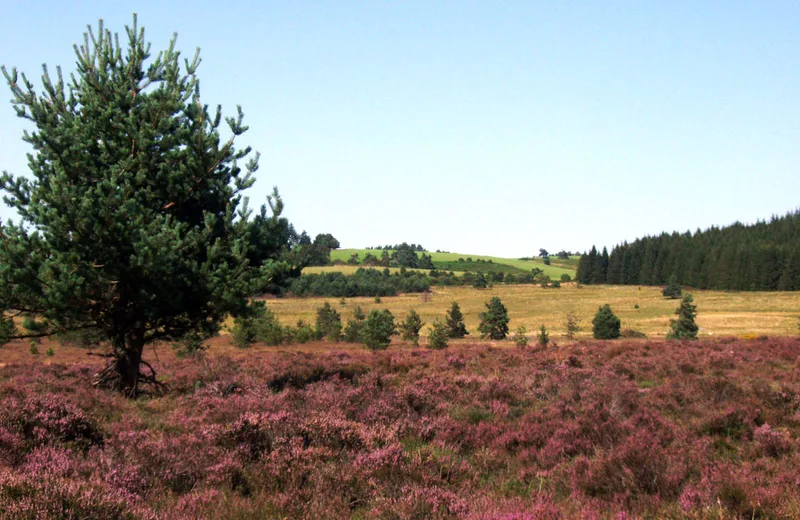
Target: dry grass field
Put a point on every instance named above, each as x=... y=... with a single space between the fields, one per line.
x=719 y=313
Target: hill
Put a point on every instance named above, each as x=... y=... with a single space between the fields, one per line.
x=477 y=263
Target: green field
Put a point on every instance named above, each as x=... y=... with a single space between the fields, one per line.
x=720 y=313
x=448 y=261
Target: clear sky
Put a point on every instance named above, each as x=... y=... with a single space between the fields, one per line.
x=494 y=127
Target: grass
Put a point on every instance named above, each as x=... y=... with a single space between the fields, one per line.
x=720 y=313
x=554 y=271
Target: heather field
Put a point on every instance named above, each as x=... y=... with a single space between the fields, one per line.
x=647 y=429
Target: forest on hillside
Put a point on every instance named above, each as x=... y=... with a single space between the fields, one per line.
x=764 y=256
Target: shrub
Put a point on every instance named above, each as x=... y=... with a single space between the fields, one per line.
x=50 y=352
x=410 y=328
x=329 y=323
x=352 y=332
x=455 y=322
x=257 y=324
x=684 y=327
x=34 y=348
x=440 y=332
x=190 y=345
x=543 y=337
x=673 y=289
x=572 y=325
x=304 y=332
x=565 y=278
x=605 y=324
x=632 y=334
x=494 y=322
x=521 y=336
x=378 y=329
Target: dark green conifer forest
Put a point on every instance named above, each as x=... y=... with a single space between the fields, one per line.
x=764 y=256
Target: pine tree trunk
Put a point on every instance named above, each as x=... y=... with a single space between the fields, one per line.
x=127 y=362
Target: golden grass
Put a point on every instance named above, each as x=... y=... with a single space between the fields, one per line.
x=719 y=313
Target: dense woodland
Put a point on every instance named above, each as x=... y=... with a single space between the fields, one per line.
x=764 y=256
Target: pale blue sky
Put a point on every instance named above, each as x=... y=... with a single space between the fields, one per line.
x=480 y=127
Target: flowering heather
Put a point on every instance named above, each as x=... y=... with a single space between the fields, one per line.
x=607 y=430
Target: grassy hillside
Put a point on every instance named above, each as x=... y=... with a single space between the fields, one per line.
x=449 y=262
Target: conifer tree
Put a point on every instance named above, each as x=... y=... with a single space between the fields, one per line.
x=132 y=219
x=605 y=324
x=494 y=322
x=684 y=327
x=673 y=289
x=455 y=322
x=409 y=329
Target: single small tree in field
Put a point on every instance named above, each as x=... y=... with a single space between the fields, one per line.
x=673 y=289
x=329 y=323
x=455 y=322
x=378 y=329
x=572 y=325
x=521 y=336
x=437 y=339
x=494 y=322
x=684 y=327
x=352 y=332
x=543 y=337
x=480 y=281
x=409 y=329
x=605 y=324
x=132 y=219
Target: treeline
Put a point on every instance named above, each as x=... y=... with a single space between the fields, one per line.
x=374 y=282
x=414 y=247
x=764 y=256
x=404 y=255
x=364 y=282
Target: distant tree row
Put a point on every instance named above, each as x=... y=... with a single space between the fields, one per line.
x=761 y=257
x=404 y=255
x=364 y=282
x=414 y=247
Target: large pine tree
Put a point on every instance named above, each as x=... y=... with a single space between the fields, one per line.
x=132 y=222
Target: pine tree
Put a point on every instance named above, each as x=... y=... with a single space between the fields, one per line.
x=605 y=324
x=455 y=322
x=378 y=329
x=409 y=329
x=329 y=323
x=494 y=322
x=571 y=324
x=480 y=281
x=132 y=223
x=684 y=327
x=673 y=289
x=543 y=337
x=437 y=339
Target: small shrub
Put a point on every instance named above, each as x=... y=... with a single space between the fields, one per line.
x=565 y=278
x=377 y=299
x=190 y=345
x=410 y=328
x=684 y=327
x=521 y=336
x=34 y=348
x=257 y=324
x=304 y=332
x=439 y=335
x=378 y=329
x=543 y=338
x=494 y=322
x=673 y=289
x=352 y=332
x=605 y=324
x=632 y=334
x=329 y=323
x=49 y=352
x=455 y=322
x=572 y=325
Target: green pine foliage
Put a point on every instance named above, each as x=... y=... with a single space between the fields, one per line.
x=352 y=332
x=256 y=324
x=684 y=327
x=494 y=322
x=543 y=337
x=133 y=222
x=605 y=324
x=409 y=329
x=520 y=337
x=764 y=256
x=571 y=324
x=329 y=323
x=455 y=322
x=379 y=327
x=673 y=290
x=439 y=335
